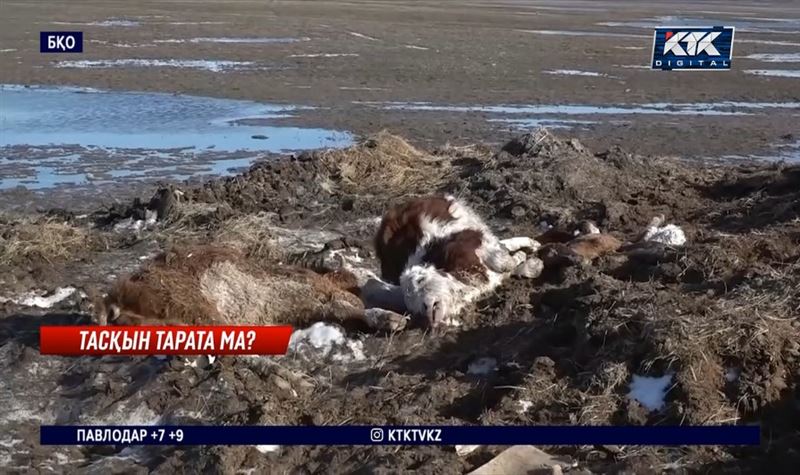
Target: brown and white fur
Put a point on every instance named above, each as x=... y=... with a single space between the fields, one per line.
x=217 y=285
x=582 y=246
x=444 y=256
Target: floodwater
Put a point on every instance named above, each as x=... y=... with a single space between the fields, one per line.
x=53 y=136
x=722 y=108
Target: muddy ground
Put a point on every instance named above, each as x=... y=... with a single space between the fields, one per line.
x=719 y=314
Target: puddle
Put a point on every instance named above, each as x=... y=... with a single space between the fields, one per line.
x=776 y=57
x=582 y=116
x=44 y=177
x=206 y=65
x=787 y=152
x=74 y=136
x=528 y=124
x=782 y=73
x=264 y=40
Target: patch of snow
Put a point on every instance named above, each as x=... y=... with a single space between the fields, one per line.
x=62 y=458
x=203 y=361
x=9 y=443
x=775 y=57
x=206 y=65
x=114 y=22
x=7 y=50
x=109 y=22
x=482 y=366
x=261 y=40
x=782 y=73
x=769 y=42
x=670 y=235
x=650 y=391
x=322 y=55
x=583 y=33
x=40 y=299
x=362 y=88
x=463 y=450
x=124 y=414
x=575 y=72
x=121 y=45
x=524 y=405
x=265 y=449
x=129 y=224
x=195 y=23
x=326 y=340
x=359 y=35
x=423 y=48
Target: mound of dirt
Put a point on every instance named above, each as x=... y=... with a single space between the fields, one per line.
x=379 y=168
x=540 y=177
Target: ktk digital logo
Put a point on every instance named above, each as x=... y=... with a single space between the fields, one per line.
x=692 y=48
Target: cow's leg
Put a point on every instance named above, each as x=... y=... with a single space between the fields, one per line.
x=515 y=244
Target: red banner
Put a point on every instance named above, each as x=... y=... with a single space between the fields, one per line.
x=164 y=340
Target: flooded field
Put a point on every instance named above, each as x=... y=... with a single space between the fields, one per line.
x=298 y=81
x=76 y=136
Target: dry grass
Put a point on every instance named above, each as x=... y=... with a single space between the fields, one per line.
x=385 y=163
x=250 y=234
x=26 y=240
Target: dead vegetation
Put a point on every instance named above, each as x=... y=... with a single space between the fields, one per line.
x=384 y=163
x=27 y=240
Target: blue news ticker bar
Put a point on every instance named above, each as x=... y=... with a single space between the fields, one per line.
x=406 y=435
